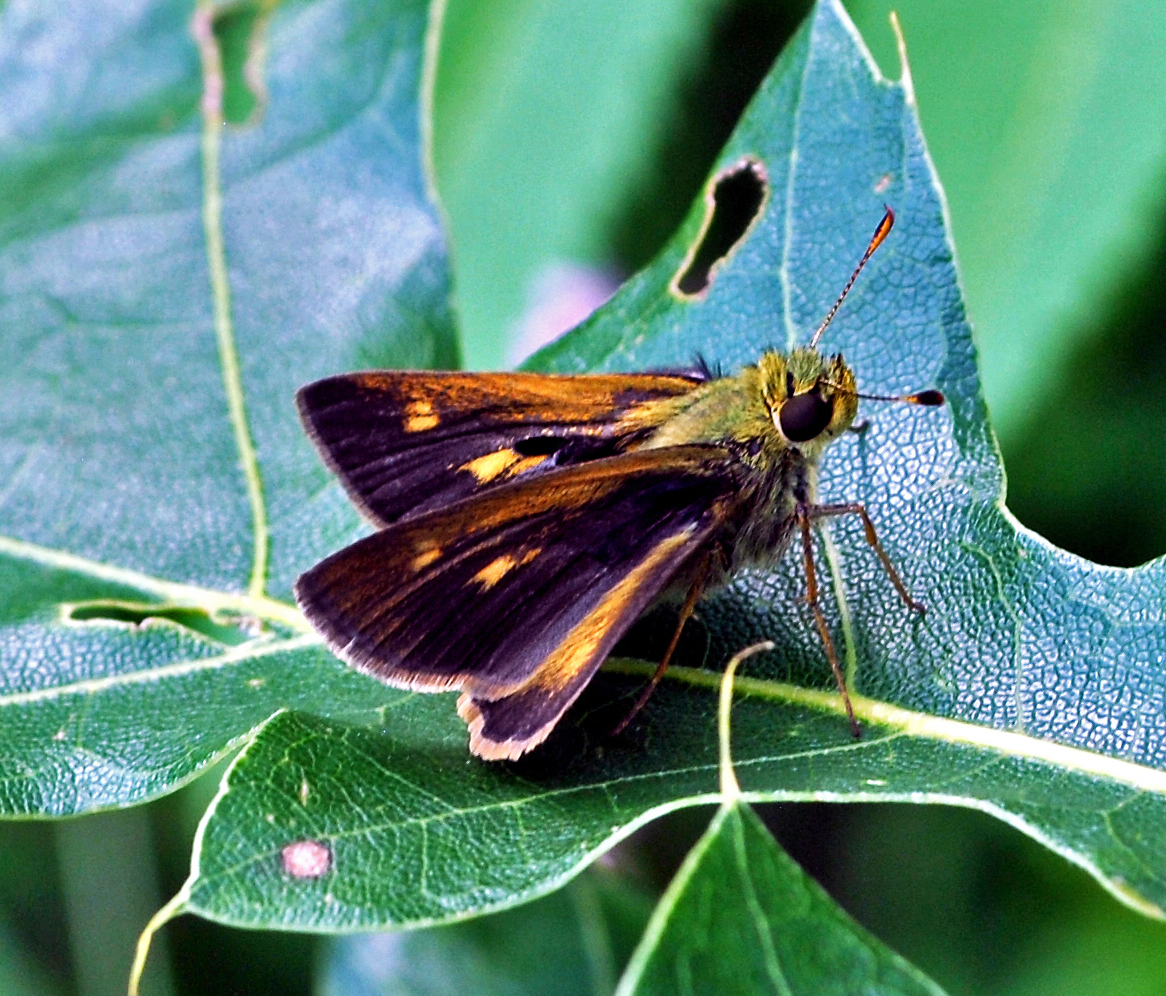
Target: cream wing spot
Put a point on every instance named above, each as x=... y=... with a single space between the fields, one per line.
x=499 y=567
x=419 y=416
x=487 y=468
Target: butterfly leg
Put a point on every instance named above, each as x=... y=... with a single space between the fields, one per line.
x=685 y=612
x=853 y=508
x=804 y=514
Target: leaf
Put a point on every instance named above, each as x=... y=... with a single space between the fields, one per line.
x=741 y=917
x=124 y=495
x=1002 y=697
x=519 y=166
x=1033 y=688
x=572 y=941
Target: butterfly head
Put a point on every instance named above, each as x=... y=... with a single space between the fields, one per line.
x=810 y=397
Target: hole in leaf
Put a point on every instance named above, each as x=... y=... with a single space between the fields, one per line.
x=712 y=91
x=198 y=621
x=734 y=203
x=240 y=32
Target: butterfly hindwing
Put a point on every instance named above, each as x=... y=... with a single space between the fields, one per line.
x=521 y=591
x=406 y=442
x=507 y=726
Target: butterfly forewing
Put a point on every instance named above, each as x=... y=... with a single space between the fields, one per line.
x=517 y=594
x=406 y=442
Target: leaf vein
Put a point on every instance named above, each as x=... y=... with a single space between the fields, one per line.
x=92 y=686
x=791 y=331
x=212 y=216
x=209 y=599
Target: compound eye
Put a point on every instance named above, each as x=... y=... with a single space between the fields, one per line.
x=805 y=416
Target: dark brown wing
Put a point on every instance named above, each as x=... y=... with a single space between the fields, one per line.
x=518 y=594
x=406 y=442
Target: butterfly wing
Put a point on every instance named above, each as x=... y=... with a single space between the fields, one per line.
x=517 y=594
x=406 y=442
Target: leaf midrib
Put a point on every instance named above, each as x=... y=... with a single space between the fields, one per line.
x=923 y=725
x=906 y=721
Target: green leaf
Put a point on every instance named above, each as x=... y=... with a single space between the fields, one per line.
x=1031 y=689
x=527 y=178
x=741 y=917
x=152 y=468
x=571 y=942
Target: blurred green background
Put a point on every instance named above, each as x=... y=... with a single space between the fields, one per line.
x=569 y=140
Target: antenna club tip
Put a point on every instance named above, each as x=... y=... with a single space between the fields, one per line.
x=932 y=399
x=881 y=233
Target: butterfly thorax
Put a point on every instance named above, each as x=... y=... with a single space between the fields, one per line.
x=775 y=419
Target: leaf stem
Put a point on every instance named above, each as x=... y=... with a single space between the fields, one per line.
x=730 y=789
x=167 y=913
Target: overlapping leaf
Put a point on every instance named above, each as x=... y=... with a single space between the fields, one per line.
x=742 y=917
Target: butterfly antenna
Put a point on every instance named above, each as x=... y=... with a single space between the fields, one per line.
x=881 y=233
x=930 y=398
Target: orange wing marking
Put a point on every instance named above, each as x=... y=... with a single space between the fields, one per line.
x=500 y=463
x=578 y=649
x=568 y=660
x=486 y=468
x=498 y=568
x=419 y=416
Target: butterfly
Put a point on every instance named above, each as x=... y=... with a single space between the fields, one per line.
x=526 y=520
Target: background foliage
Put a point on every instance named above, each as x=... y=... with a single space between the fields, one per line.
x=642 y=97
